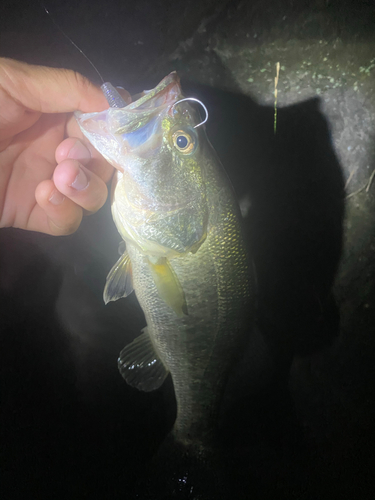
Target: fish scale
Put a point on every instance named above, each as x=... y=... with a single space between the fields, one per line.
x=200 y=349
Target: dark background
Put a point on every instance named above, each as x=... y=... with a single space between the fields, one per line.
x=303 y=427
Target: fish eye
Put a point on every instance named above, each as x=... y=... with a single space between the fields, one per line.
x=183 y=142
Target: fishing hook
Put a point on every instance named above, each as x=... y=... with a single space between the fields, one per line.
x=196 y=100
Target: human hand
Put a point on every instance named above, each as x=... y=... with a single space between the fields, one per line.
x=50 y=175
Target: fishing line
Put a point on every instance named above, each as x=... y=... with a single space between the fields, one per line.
x=113 y=97
x=71 y=41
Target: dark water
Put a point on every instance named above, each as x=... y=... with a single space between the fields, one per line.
x=70 y=427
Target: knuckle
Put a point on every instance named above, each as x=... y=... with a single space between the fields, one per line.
x=82 y=83
x=96 y=197
x=75 y=81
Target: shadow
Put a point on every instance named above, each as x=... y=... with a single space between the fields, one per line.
x=295 y=188
x=294 y=229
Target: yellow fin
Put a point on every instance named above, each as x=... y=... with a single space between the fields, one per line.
x=168 y=286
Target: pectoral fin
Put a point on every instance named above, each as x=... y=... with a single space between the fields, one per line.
x=168 y=286
x=140 y=365
x=119 y=280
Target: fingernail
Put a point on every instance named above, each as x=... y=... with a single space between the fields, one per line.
x=56 y=197
x=80 y=182
x=79 y=152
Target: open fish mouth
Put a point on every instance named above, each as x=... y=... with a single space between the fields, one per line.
x=136 y=128
x=142 y=134
x=165 y=93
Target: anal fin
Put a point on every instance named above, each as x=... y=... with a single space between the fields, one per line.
x=140 y=365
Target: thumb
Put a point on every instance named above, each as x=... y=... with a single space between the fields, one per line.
x=49 y=90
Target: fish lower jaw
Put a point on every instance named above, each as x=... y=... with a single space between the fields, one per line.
x=154 y=251
x=147 y=248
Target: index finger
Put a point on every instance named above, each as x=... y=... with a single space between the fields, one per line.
x=49 y=90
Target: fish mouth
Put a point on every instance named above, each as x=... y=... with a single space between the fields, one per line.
x=141 y=131
x=164 y=94
x=136 y=128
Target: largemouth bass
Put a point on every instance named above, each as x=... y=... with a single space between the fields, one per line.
x=185 y=257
